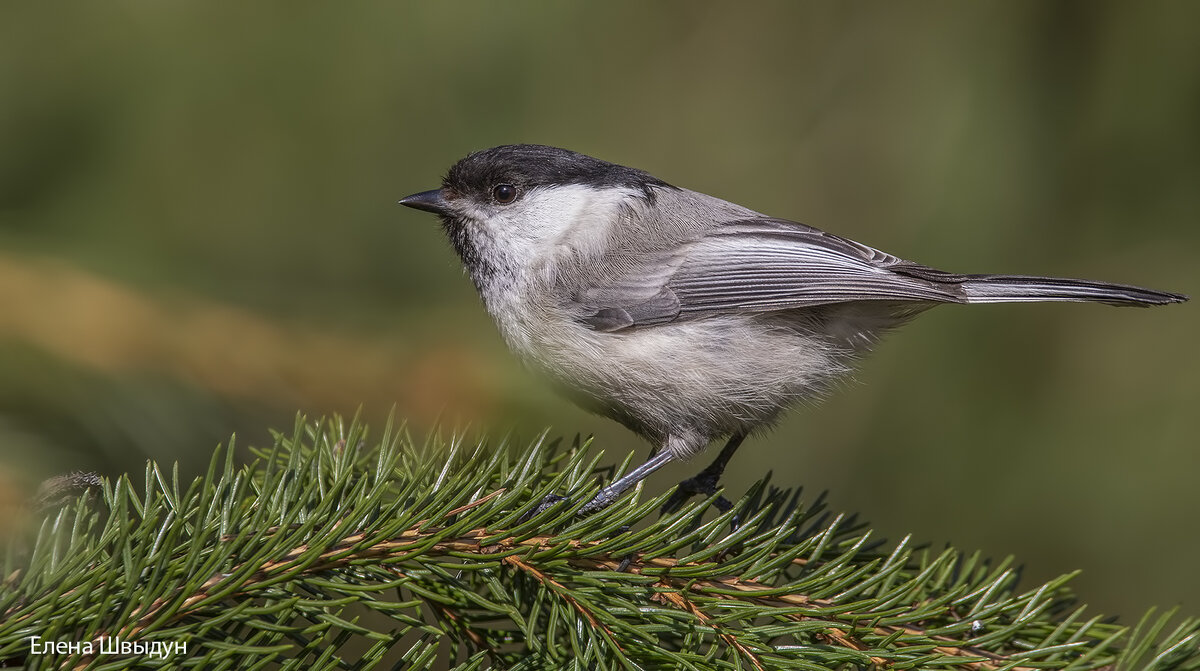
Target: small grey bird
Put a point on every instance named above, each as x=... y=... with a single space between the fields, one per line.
x=682 y=316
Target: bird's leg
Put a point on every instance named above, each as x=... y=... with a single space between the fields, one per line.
x=606 y=496
x=705 y=482
x=611 y=493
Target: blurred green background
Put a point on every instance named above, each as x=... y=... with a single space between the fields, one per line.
x=199 y=235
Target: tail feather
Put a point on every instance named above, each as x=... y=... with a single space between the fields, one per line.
x=1029 y=289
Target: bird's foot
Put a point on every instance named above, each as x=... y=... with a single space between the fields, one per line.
x=546 y=503
x=601 y=501
x=704 y=483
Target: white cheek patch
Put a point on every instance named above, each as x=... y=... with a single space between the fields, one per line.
x=548 y=221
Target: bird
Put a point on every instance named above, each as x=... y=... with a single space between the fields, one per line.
x=682 y=316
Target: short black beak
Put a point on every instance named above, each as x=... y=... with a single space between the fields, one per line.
x=430 y=201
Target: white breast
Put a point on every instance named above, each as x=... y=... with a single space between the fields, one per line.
x=534 y=243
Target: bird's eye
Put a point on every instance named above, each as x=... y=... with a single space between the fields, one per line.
x=504 y=193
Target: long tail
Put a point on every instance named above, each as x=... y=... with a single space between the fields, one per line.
x=1029 y=289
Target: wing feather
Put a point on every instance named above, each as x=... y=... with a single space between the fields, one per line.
x=759 y=265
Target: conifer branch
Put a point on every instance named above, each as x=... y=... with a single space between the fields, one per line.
x=327 y=553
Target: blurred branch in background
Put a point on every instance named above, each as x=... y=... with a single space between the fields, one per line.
x=87 y=320
x=123 y=373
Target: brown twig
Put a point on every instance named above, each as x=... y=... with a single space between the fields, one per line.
x=677 y=599
x=558 y=588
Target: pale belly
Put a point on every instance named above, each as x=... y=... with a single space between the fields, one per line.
x=701 y=379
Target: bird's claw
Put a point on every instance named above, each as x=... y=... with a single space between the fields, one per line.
x=546 y=503
x=704 y=483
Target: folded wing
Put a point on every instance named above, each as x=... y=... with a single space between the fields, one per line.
x=759 y=265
